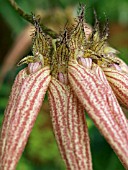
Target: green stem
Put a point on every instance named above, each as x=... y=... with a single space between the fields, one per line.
x=28 y=18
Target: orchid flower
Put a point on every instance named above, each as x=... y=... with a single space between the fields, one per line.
x=74 y=72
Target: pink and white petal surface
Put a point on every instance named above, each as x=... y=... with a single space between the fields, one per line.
x=119 y=83
x=118 y=115
x=24 y=104
x=94 y=95
x=79 y=132
x=69 y=126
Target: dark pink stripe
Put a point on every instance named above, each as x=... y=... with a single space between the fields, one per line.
x=116 y=72
x=93 y=79
x=119 y=96
x=118 y=115
x=97 y=111
x=71 y=125
x=116 y=88
x=28 y=111
x=7 y=118
x=57 y=129
x=119 y=80
x=120 y=125
x=122 y=158
x=85 y=139
x=16 y=118
x=31 y=104
x=10 y=105
x=68 y=144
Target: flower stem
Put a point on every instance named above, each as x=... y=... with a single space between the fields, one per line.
x=29 y=18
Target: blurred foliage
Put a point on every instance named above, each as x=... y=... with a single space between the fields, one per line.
x=41 y=151
x=102 y=155
x=115 y=10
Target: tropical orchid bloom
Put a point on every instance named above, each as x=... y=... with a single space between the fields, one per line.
x=77 y=73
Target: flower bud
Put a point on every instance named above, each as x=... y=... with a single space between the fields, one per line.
x=86 y=62
x=116 y=66
x=34 y=67
x=63 y=78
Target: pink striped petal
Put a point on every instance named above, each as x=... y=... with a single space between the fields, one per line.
x=118 y=115
x=24 y=104
x=69 y=126
x=119 y=83
x=94 y=95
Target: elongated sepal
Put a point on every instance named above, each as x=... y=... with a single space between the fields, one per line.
x=24 y=104
x=102 y=107
x=118 y=114
x=69 y=126
x=119 y=83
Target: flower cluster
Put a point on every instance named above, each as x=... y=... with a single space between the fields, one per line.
x=81 y=72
